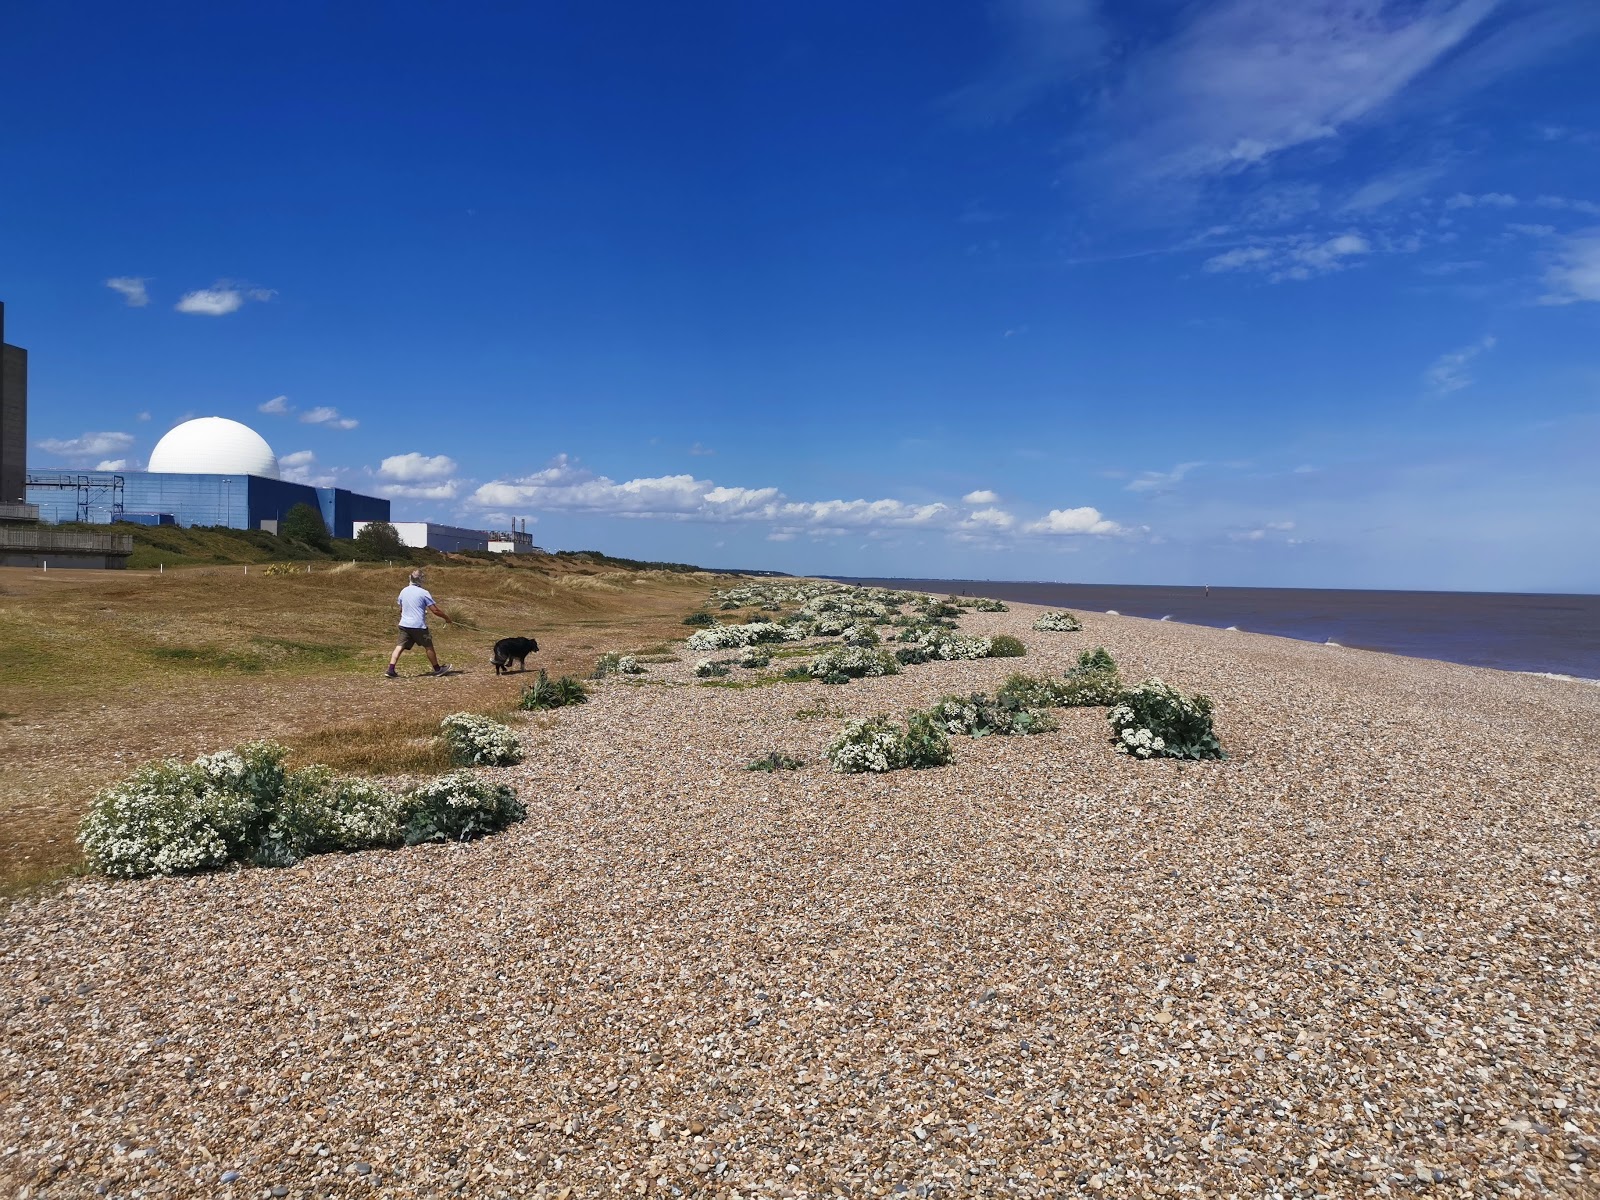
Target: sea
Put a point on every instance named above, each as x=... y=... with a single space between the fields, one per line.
x=1511 y=631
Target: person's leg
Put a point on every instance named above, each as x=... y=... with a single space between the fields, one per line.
x=394 y=658
x=433 y=656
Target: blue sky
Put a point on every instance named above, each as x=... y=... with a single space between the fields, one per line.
x=1233 y=292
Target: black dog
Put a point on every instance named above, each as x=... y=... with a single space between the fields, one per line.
x=507 y=649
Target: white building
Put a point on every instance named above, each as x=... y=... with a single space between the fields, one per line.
x=452 y=539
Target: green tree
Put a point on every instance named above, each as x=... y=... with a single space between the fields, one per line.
x=303 y=523
x=379 y=541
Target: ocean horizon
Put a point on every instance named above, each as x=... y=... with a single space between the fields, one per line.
x=1538 y=632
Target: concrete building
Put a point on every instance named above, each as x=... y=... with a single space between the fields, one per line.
x=452 y=539
x=209 y=471
x=13 y=418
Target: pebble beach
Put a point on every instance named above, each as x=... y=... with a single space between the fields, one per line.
x=1358 y=957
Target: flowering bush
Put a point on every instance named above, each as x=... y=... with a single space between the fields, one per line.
x=878 y=744
x=629 y=665
x=1058 y=622
x=458 y=807
x=1094 y=681
x=1003 y=645
x=1156 y=720
x=727 y=637
x=241 y=805
x=980 y=604
x=479 y=741
x=172 y=817
x=754 y=656
x=706 y=669
x=852 y=662
x=860 y=635
x=775 y=760
x=979 y=715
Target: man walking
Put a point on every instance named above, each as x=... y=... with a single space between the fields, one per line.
x=415 y=605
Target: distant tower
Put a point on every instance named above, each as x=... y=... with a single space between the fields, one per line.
x=13 y=419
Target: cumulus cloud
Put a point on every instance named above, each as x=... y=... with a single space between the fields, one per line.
x=329 y=417
x=991 y=518
x=89 y=445
x=278 y=406
x=221 y=299
x=1575 y=274
x=299 y=458
x=132 y=289
x=1073 y=521
x=981 y=496
x=1452 y=371
x=446 y=490
x=300 y=467
x=407 y=468
x=112 y=464
x=1566 y=204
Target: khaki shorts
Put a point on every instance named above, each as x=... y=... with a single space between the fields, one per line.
x=414 y=637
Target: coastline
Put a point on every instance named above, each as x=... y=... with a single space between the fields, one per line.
x=1347 y=957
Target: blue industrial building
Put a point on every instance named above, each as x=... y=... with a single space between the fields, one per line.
x=237 y=501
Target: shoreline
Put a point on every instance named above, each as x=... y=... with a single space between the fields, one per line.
x=1347 y=957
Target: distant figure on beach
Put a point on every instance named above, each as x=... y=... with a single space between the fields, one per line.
x=415 y=604
x=1208 y=589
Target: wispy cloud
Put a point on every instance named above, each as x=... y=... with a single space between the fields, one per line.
x=329 y=417
x=1294 y=258
x=407 y=468
x=1162 y=481
x=1044 y=45
x=1486 y=200
x=1452 y=371
x=132 y=289
x=220 y=299
x=1575 y=274
x=699 y=451
x=447 y=490
x=277 y=406
x=89 y=445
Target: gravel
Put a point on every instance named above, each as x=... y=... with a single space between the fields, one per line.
x=1358 y=957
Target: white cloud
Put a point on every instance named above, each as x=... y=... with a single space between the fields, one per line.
x=1575 y=275
x=1045 y=42
x=434 y=491
x=90 y=445
x=1534 y=231
x=1071 y=521
x=981 y=496
x=1404 y=184
x=112 y=464
x=221 y=298
x=278 y=406
x=144 y=416
x=132 y=289
x=329 y=417
x=700 y=451
x=299 y=458
x=991 y=518
x=1486 y=200
x=298 y=468
x=1450 y=373
x=1246 y=80
x=1162 y=481
x=1587 y=207
x=407 y=468
x=1299 y=257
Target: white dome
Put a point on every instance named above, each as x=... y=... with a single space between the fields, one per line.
x=213 y=446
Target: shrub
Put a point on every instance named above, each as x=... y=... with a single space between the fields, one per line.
x=545 y=692
x=629 y=665
x=1003 y=645
x=775 y=760
x=984 y=604
x=878 y=744
x=860 y=635
x=726 y=637
x=706 y=669
x=977 y=715
x=1155 y=720
x=284 y=569
x=172 y=817
x=754 y=656
x=1058 y=622
x=1094 y=681
x=853 y=662
x=335 y=812
x=379 y=541
x=1096 y=660
x=458 y=807
x=699 y=618
x=302 y=523
x=479 y=741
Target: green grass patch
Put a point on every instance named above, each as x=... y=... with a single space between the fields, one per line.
x=742 y=683
x=208 y=658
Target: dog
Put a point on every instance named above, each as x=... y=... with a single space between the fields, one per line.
x=507 y=649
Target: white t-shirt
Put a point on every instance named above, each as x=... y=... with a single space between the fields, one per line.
x=414 y=603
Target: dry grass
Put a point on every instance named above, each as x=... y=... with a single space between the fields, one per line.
x=106 y=670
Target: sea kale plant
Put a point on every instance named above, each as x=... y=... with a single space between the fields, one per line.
x=1058 y=622
x=479 y=741
x=1155 y=720
x=878 y=744
x=1093 y=682
x=852 y=662
x=1004 y=714
x=775 y=760
x=242 y=806
x=707 y=669
x=753 y=657
x=545 y=692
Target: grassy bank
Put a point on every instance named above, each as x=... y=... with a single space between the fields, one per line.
x=107 y=669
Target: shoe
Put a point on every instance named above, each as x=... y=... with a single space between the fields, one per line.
x=441 y=669
x=390 y=673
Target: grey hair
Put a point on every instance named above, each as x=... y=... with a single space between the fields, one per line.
x=416 y=576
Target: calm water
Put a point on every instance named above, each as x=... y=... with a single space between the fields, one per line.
x=1511 y=631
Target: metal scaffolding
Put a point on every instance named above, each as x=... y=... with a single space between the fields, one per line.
x=96 y=492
